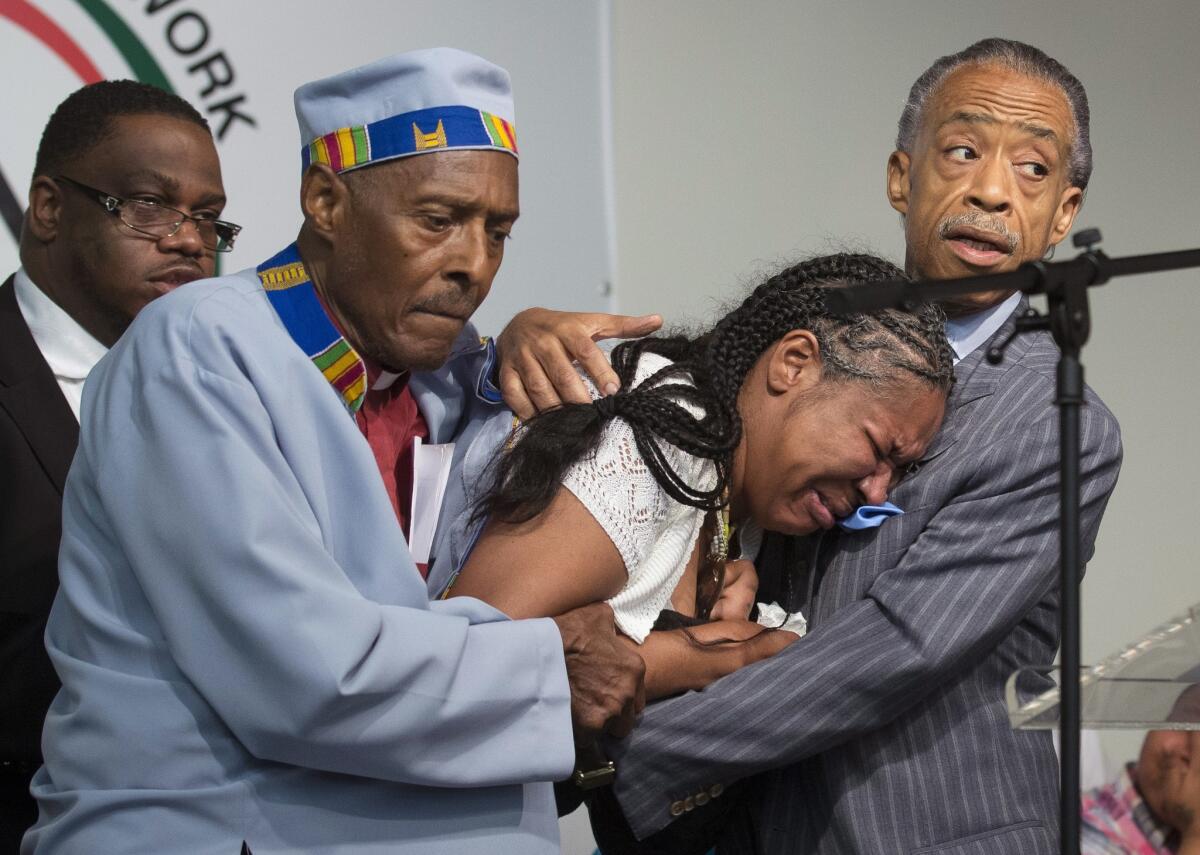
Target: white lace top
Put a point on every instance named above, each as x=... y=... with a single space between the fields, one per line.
x=654 y=533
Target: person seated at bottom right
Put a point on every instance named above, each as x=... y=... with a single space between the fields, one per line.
x=1153 y=806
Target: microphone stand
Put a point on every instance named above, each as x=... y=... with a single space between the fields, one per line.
x=1065 y=285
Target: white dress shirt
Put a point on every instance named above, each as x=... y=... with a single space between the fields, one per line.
x=70 y=350
x=968 y=332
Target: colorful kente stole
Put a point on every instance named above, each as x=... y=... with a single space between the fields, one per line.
x=294 y=299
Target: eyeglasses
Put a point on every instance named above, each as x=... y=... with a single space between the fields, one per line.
x=159 y=221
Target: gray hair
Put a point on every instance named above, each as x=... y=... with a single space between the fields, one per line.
x=1023 y=59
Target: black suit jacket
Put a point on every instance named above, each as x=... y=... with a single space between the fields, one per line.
x=38 y=435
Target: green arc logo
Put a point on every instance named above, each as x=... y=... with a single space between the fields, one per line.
x=145 y=67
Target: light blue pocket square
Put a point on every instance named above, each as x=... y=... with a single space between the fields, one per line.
x=869 y=516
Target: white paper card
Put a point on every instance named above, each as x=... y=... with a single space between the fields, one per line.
x=431 y=473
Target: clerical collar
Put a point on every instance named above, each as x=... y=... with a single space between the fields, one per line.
x=292 y=295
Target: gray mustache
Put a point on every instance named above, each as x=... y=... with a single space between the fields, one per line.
x=989 y=223
x=447 y=304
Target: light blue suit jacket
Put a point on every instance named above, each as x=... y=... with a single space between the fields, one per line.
x=246 y=648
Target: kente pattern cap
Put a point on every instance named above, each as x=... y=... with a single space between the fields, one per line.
x=419 y=102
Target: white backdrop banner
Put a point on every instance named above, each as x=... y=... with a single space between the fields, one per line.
x=238 y=62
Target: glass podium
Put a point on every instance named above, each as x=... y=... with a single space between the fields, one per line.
x=1152 y=684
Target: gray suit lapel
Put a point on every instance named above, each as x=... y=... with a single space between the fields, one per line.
x=975 y=379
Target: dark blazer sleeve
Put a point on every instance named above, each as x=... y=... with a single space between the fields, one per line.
x=38 y=434
x=949 y=600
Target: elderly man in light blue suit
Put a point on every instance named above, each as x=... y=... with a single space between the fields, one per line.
x=248 y=655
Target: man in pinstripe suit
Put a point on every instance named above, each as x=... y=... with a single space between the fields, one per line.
x=884 y=730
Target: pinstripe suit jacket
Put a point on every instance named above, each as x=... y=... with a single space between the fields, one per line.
x=884 y=729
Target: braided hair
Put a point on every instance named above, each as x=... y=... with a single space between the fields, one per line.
x=691 y=403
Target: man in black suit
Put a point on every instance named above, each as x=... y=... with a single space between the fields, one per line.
x=123 y=207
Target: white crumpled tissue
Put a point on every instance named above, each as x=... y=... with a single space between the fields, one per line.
x=775 y=617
